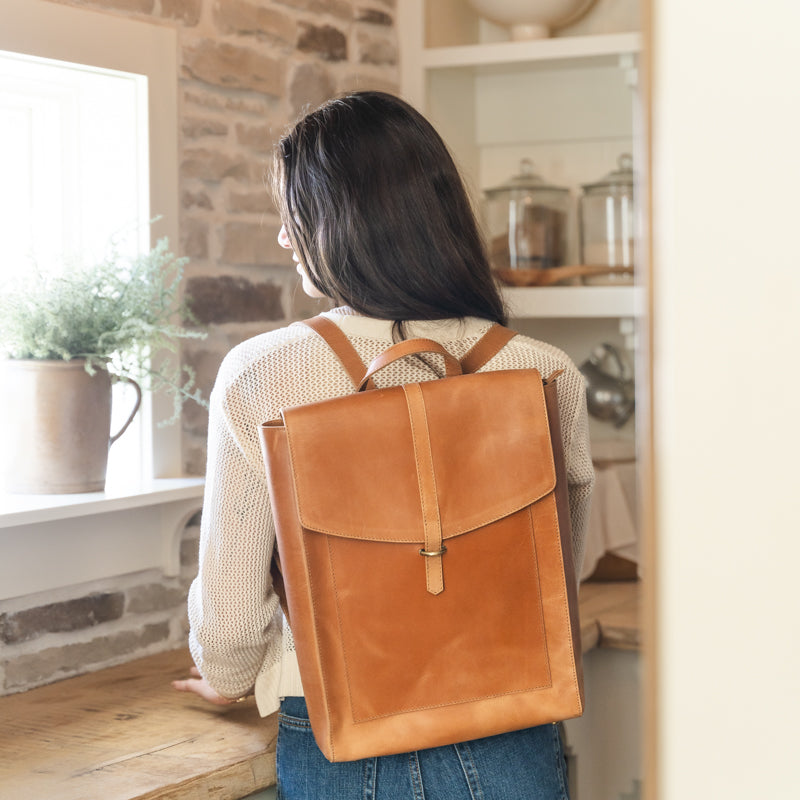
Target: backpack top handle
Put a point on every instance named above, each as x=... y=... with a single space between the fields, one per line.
x=411 y=347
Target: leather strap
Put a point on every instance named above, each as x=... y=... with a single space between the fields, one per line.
x=409 y=347
x=342 y=349
x=432 y=522
x=553 y=375
x=494 y=340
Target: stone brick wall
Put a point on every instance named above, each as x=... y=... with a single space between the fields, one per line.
x=54 y=635
x=247 y=69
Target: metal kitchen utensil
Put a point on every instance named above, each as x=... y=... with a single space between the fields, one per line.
x=609 y=385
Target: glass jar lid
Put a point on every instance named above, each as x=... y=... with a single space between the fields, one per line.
x=620 y=178
x=526 y=180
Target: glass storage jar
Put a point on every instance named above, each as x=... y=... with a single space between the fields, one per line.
x=605 y=211
x=527 y=222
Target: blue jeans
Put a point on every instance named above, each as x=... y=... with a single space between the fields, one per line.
x=524 y=765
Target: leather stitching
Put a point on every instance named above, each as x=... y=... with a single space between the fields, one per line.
x=317 y=649
x=423 y=459
x=565 y=601
x=342 y=639
x=535 y=570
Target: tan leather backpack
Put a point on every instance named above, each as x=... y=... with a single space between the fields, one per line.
x=424 y=548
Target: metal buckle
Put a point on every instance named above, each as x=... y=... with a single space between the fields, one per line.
x=432 y=553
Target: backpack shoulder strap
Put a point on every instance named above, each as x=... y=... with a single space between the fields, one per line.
x=494 y=340
x=342 y=349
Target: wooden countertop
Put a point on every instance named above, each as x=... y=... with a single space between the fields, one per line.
x=124 y=734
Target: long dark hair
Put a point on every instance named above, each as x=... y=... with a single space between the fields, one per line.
x=377 y=213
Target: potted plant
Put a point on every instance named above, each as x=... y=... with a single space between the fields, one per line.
x=66 y=338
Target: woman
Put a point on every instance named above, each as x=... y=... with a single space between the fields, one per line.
x=379 y=222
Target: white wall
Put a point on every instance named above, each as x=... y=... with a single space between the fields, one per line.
x=726 y=178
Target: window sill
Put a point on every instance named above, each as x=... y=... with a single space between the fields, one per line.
x=29 y=509
x=51 y=541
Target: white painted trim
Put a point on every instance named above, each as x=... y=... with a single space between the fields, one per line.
x=409 y=19
x=557 y=50
x=30 y=509
x=574 y=301
x=51 y=541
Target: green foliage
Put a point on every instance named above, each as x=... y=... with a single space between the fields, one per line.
x=116 y=314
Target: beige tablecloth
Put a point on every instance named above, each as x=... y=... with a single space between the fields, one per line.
x=613 y=519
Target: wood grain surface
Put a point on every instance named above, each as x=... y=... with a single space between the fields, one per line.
x=124 y=733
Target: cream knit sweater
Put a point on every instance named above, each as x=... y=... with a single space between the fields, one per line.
x=238 y=637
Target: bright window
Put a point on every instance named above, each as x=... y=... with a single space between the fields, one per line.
x=74 y=160
x=76 y=178
x=88 y=123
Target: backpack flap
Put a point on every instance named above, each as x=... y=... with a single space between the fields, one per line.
x=359 y=462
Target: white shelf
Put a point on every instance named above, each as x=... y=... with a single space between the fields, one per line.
x=30 y=509
x=552 y=302
x=479 y=97
x=82 y=538
x=587 y=50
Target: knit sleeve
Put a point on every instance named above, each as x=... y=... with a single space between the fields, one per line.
x=234 y=615
x=580 y=471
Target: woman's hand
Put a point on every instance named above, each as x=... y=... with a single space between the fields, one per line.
x=201 y=687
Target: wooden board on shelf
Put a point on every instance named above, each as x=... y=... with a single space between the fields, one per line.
x=560 y=275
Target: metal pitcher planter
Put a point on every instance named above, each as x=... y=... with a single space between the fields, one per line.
x=56 y=422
